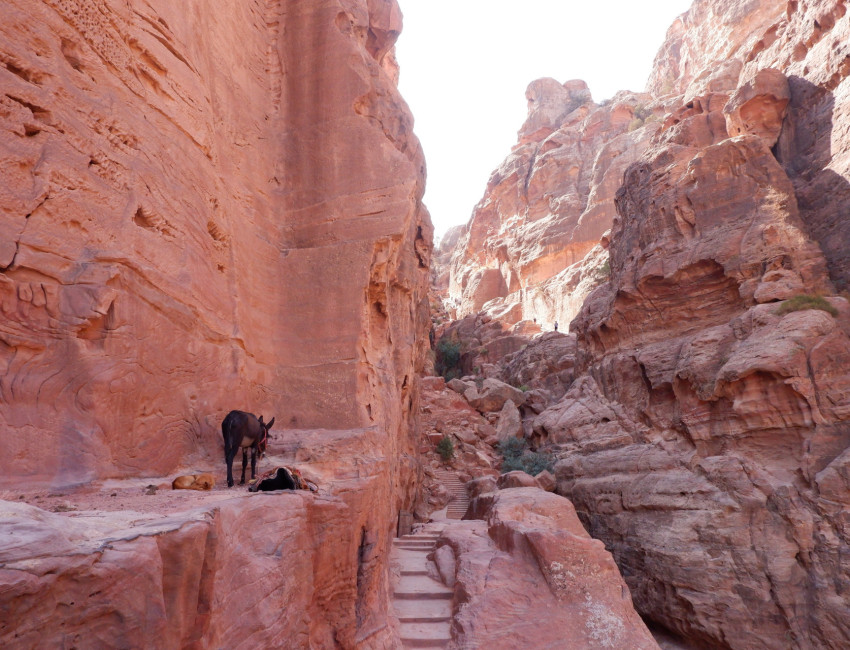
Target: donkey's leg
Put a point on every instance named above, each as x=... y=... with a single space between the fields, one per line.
x=253 y=463
x=229 y=455
x=244 y=464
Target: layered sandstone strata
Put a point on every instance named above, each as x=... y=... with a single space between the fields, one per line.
x=117 y=566
x=522 y=255
x=524 y=569
x=706 y=437
x=206 y=207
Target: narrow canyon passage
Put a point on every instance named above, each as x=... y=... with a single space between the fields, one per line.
x=615 y=402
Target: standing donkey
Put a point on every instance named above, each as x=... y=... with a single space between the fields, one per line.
x=243 y=430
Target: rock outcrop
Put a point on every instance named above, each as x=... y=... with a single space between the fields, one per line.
x=177 y=186
x=708 y=426
x=523 y=253
x=703 y=423
x=211 y=569
x=209 y=208
x=524 y=568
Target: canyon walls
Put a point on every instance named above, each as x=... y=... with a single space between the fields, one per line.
x=705 y=437
x=548 y=205
x=179 y=181
x=208 y=206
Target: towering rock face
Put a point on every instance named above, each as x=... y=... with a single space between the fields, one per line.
x=718 y=42
x=706 y=438
x=178 y=182
x=210 y=206
x=549 y=204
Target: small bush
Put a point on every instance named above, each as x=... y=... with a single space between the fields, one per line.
x=517 y=456
x=605 y=270
x=806 y=301
x=446 y=448
x=448 y=358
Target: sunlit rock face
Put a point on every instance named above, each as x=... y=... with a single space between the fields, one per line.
x=210 y=206
x=548 y=205
x=720 y=45
x=523 y=568
x=179 y=181
x=706 y=436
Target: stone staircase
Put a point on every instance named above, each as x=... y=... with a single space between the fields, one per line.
x=459 y=500
x=423 y=605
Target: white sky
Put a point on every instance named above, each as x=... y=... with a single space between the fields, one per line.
x=465 y=65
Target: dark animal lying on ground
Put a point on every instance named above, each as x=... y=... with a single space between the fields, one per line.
x=244 y=431
x=282 y=478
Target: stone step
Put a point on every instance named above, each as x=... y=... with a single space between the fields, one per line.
x=422 y=595
x=431 y=608
x=417 y=635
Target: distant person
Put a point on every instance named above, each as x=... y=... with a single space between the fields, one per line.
x=556 y=326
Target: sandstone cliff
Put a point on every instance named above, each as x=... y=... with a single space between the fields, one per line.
x=706 y=435
x=206 y=207
x=548 y=204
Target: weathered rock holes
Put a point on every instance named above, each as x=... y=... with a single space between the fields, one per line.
x=216 y=232
x=71 y=53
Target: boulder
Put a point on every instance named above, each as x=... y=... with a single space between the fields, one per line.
x=517 y=479
x=493 y=394
x=510 y=424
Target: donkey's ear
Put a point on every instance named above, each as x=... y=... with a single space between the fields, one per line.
x=260 y=419
x=269 y=425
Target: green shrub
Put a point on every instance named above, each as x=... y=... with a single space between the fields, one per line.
x=517 y=456
x=605 y=270
x=448 y=355
x=806 y=301
x=446 y=448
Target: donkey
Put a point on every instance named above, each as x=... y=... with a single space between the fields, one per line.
x=243 y=430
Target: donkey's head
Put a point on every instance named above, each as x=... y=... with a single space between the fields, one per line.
x=264 y=436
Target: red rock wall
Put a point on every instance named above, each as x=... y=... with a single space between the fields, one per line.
x=548 y=205
x=706 y=437
x=721 y=41
x=206 y=207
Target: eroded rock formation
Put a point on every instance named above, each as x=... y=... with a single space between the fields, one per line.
x=523 y=254
x=209 y=207
x=705 y=429
x=524 y=568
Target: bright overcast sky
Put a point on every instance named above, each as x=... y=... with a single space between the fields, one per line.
x=465 y=65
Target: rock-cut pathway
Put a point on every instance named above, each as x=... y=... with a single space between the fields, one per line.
x=458 y=498
x=423 y=605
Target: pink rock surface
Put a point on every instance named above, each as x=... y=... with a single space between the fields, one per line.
x=703 y=415
x=180 y=180
x=117 y=566
x=528 y=573
x=703 y=433
x=548 y=204
x=208 y=207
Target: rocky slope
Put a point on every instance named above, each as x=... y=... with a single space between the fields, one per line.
x=178 y=180
x=706 y=435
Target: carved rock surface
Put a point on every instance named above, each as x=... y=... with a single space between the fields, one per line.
x=526 y=569
x=114 y=566
x=207 y=207
x=178 y=180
